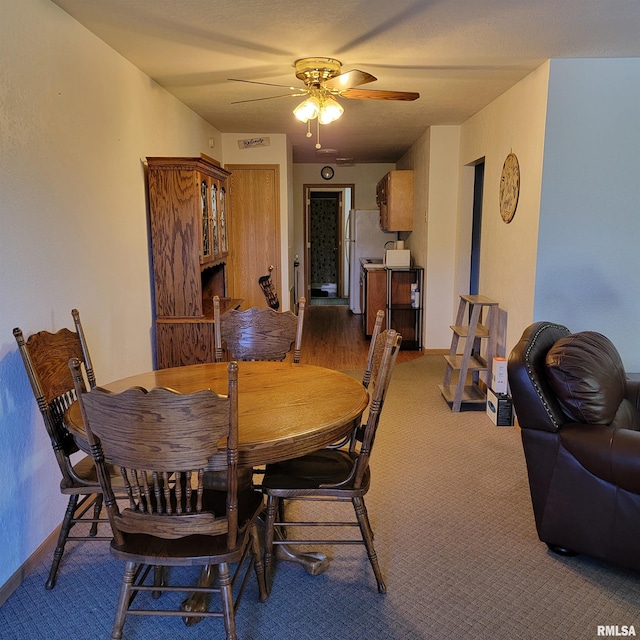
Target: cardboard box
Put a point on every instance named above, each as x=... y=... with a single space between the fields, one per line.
x=399 y=258
x=499 y=408
x=499 y=375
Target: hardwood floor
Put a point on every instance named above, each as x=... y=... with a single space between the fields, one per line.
x=333 y=337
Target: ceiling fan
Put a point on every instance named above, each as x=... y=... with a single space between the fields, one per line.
x=323 y=82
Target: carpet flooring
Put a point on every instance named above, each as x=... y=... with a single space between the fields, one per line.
x=455 y=537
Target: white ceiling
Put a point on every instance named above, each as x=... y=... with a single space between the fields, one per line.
x=458 y=54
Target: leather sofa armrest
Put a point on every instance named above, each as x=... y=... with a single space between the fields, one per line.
x=611 y=454
x=632 y=392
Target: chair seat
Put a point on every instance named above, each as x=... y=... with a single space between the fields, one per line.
x=312 y=471
x=195 y=549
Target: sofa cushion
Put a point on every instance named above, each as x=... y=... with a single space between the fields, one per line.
x=587 y=375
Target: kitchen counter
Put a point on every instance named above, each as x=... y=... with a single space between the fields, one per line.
x=371 y=263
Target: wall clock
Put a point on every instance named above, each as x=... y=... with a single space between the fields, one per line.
x=326 y=173
x=509 y=187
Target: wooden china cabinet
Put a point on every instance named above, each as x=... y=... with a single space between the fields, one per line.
x=189 y=222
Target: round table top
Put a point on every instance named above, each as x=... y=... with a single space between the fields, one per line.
x=285 y=409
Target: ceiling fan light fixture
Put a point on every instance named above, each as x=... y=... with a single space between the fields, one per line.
x=308 y=109
x=330 y=110
x=323 y=79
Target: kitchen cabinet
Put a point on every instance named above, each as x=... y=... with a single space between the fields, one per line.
x=394 y=195
x=373 y=295
x=188 y=221
x=404 y=310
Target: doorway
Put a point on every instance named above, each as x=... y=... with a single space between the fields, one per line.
x=326 y=268
x=476 y=228
x=324 y=238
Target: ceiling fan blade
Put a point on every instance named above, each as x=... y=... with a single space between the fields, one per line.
x=269 y=84
x=372 y=94
x=353 y=78
x=282 y=95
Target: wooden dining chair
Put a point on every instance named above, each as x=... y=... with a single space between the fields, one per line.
x=161 y=441
x=257 y=334
x=366 y=378
x=46 y=359
x=368 y=369
x=339 y=475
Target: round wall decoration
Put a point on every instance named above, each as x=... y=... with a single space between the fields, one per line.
x=509 y=187
x=327 y=173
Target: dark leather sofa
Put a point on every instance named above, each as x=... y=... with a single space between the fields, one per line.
x=580 y=423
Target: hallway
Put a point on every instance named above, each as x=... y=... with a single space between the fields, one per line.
x=333 y=338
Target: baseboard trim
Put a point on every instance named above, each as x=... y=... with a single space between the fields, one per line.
x=46 y=548
x=435 y=352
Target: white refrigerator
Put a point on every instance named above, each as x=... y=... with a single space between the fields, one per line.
x=365 y=239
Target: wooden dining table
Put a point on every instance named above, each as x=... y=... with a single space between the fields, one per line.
x=285 y=409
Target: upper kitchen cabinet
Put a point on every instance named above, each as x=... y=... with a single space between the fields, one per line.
x=394 y=195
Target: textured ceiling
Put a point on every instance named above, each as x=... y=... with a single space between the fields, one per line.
x=458 y=54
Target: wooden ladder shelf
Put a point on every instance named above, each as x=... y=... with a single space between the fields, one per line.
x=482 y=315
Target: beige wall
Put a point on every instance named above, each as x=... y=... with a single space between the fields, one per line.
x=515 y=122
x=435 y=162
x=76 y=122
x=442 y=160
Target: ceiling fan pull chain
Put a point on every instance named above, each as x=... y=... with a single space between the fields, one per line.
x=318 y=145
x=308 y=128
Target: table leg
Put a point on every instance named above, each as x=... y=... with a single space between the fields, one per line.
x=313 y=562
x=198 y=601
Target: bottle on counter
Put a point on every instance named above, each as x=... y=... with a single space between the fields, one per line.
x=415 y=296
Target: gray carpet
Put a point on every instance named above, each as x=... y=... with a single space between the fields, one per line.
x=454 y=534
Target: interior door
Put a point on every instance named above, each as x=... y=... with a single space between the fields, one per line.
x=255 y=231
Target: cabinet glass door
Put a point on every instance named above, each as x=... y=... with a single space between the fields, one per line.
x=205 y=221
x=223 y=221
x=214 y=219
